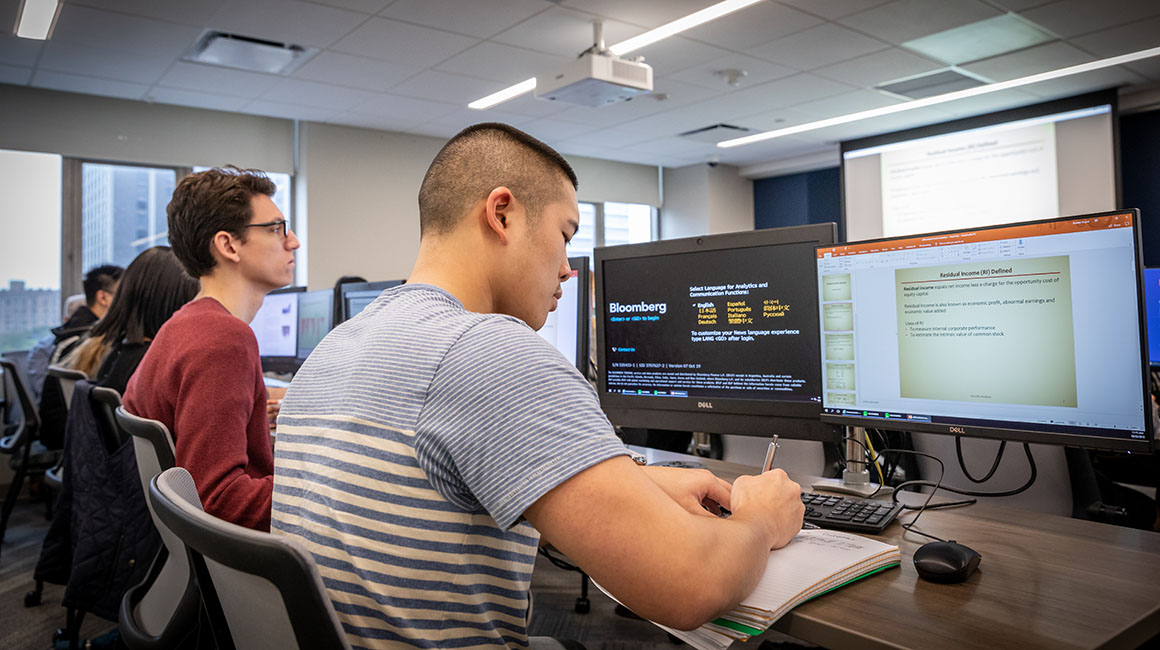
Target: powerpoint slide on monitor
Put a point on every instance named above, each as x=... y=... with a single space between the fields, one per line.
x=968 y=178
x=994 y=332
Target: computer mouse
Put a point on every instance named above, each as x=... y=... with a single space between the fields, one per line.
x=945 y=562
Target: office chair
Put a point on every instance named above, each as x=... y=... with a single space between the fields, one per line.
x=67 y=378
x=260 y=590
x=21 y=443
x=163 y=609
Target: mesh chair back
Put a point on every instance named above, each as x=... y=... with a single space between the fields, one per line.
x=264 y=588
x=29 y=424
x=67 y=378
x=164 y=606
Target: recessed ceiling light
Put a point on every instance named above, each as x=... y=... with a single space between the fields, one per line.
x=677 y=26
x=981 y=40
x=37 y=18
x=946 y=97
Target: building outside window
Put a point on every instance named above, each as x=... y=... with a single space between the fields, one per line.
x=122 y=211
x=613 y=224
x=30 y=201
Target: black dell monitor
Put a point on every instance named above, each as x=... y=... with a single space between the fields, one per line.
x=315 y=319
x=567 y=326
x=1029 y=332
x=276 y=328
x=716 y=334
x=357 y=295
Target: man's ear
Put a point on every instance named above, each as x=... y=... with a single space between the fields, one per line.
x=498 y=209
x=225 y=245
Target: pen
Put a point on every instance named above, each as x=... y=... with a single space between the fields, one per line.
x=769 y=455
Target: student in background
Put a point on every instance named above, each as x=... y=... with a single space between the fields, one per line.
x=151 y=290
x=422 y=455
x=202 y=377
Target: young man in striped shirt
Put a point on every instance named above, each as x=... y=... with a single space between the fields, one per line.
x=431 y=442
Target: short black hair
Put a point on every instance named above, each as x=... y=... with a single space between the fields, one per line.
x=481 y=158
x=100 y=278
x=155 y=286
x=207 y=203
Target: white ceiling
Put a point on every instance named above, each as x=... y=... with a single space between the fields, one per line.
x=413 y=65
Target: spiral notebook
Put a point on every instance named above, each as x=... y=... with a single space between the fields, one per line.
x=813 y=563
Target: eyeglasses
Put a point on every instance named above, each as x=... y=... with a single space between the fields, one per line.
x=278 y=227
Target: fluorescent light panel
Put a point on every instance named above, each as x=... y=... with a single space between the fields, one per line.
x=511 y=92
x=36 y=18
x=677 y=26
x=942 y=99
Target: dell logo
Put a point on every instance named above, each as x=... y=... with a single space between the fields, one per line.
x=958 y=430
x=704 y=405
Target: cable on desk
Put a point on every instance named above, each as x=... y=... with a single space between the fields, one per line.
x=994 y=466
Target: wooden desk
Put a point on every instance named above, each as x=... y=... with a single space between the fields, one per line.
x=1044 y=582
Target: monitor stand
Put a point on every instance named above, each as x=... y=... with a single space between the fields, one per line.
x=856 y=477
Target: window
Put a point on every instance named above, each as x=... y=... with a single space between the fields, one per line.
x=122 y=211
x=613 y=224
x=30 y=200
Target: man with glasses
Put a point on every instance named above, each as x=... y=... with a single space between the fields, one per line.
x=202 y=376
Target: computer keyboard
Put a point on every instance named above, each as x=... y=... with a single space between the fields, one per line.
x=849 y=513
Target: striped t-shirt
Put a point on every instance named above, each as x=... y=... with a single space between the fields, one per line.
x=409 y=446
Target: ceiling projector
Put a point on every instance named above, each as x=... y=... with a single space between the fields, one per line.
x=596 y=78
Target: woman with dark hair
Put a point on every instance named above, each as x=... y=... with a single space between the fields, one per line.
x=152 y=288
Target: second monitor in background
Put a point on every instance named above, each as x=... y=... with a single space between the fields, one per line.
x=314 y=319
x=716 y=334
x=567 y=326
x=357 y=295
x=276 y=328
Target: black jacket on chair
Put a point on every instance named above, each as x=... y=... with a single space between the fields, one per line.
x=102 y=538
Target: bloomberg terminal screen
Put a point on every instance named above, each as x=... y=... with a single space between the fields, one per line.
x=736 y=323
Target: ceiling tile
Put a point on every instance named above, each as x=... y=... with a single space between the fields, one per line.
x=885 y=124
x=197 y=99
x=103 y=63
x=564 y=32
x=196 y=14
x=1086 y=82
x=1021 y=5
x=904 y=20
x=550 y=130
x=1140 y=35
x=394 y=107
x=380 y=123
x=112 y=31
x=502 y=63
x=289 y=21
x=289 y=111
x=212 y=79
x=363 y=6
x=1034 y=60
x=392 y=40
x=528 y=106
x=316 y=95
x=1073 y=17
x=676 y=146
x=790 y=91
x=462 y=118
x=355 y=71
x=832 y=9
x=676 y=54
x=19 y=51
x=88 y=85
x=10 y=74
x=649 y=14
x=988 y=103
x=873 y=69
x=752 y=26
x=778 y=118
x=816 y=47
x=667 y=94
x=444 y=87
x=859 y=100
x=707 y=75
x=614 y=138
x=481 y=18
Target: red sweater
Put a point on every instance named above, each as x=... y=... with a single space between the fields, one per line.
x=202 y=378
